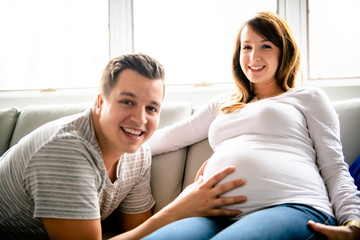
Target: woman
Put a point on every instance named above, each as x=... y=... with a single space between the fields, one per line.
x=283 y=140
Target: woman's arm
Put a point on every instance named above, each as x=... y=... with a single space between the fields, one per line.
x=323 y=125
x=198 y=199
x=188 y=131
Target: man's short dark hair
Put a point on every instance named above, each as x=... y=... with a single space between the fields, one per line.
x=140 y=63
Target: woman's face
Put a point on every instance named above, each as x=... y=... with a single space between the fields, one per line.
x=259 y=58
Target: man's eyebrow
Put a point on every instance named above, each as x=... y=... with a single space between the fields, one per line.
x=130 y=94
x=155 y=103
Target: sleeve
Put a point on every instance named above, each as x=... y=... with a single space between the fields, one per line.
x=188 y=131
x=140 y=199
x=62 y=181
x=324 y=130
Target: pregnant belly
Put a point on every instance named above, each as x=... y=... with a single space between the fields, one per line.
x=272 y=176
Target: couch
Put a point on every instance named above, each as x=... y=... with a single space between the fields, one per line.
x=173 y=171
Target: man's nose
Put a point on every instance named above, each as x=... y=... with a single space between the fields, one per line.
x=139 y=116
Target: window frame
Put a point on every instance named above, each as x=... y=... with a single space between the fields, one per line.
x=120 y=27
x=295 y=12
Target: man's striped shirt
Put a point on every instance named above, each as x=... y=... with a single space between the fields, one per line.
x=57 y=171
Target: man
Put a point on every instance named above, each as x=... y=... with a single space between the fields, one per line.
x=61 y=180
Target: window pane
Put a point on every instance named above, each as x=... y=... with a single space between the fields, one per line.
x=333 y=39
x=52 y=43
x=193 y=39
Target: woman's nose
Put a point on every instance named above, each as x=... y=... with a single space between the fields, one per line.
x=255 y=56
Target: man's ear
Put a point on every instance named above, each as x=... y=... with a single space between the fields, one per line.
x=99 y=103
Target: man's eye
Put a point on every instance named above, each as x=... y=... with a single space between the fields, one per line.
x=151 y=109
x=126 y=102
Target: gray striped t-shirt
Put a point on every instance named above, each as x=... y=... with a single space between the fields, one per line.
x=57 y=171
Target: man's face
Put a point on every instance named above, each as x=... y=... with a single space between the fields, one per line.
x=130 y=115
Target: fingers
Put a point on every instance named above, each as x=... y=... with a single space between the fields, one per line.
x=327 y=230
x=322 y=228
x=223 y=212
x=228 y=186
x=217 y=190
x=217 y=177
x=201 y=170
x=209 y=191
x=223 y=201
x=314 y=226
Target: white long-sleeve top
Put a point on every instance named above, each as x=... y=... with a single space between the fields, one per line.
x=287 y=148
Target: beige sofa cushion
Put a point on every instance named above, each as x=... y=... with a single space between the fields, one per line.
x=349 y=117
x=33 y=117
x=197 y=154
x=8 y=119
x=167 y=169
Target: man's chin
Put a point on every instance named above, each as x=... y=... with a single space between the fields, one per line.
x=133 y=149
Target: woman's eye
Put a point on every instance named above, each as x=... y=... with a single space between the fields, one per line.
x=266 y=46
x=246 y=48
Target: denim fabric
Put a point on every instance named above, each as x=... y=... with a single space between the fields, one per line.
x=285 y=221
x=355 y=171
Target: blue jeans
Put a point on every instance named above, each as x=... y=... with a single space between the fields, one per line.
x=285 y=221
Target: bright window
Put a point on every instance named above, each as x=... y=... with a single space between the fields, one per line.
x=52 y=43
x=333 y=39
x=193 y=39
x=64 y=44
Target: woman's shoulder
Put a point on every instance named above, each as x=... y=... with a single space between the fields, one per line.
x=308 y=98
x=307 y=92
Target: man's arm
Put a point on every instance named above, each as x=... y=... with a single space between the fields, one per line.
x=73 y=229
x=130 y=221
x=198 y=199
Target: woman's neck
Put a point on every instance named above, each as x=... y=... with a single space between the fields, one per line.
x=267 y=91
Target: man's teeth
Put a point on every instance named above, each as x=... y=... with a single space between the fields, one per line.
x=132 y=132
x=257 y=68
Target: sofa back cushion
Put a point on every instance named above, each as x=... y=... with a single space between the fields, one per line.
x=33 y=117
x=167 y=169
x=349 y=117
x=8 y=119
